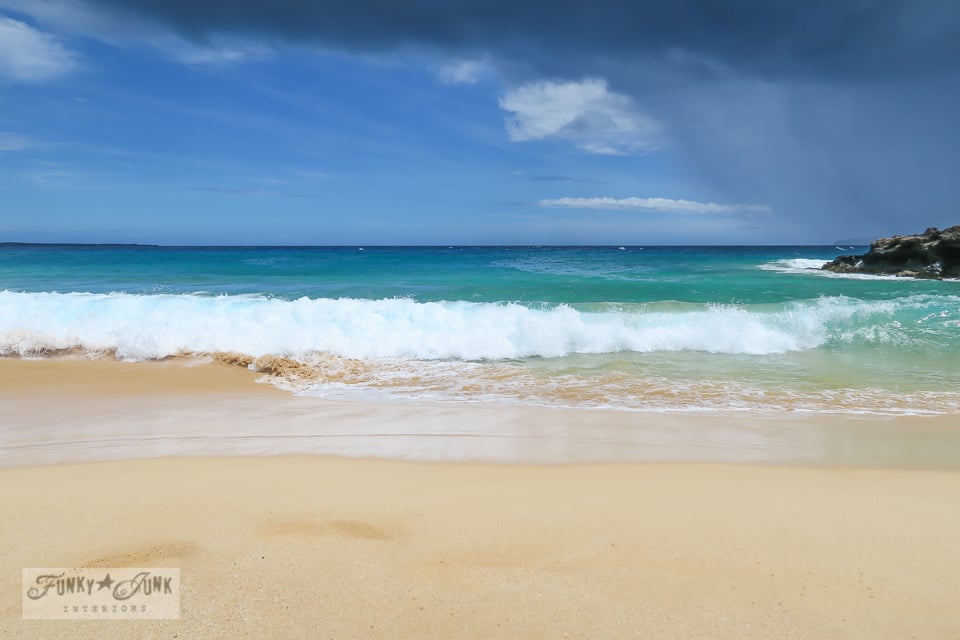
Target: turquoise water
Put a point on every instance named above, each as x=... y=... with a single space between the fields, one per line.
x=643 y=328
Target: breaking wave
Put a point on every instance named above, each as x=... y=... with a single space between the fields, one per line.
x=142 y=327
x=794 y=265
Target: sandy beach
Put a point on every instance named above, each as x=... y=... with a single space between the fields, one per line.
x=842 y=540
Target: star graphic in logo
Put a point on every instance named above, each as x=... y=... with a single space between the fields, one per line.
x=106 y=583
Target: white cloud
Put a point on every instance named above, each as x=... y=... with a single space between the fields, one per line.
x=585 y=113
x=654 y=204
x=461 y=72
x=30 y=55
x=124 y=29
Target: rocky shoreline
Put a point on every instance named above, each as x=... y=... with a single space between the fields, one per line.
x=934 y=255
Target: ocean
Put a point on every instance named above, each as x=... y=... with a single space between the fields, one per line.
x=662 y=329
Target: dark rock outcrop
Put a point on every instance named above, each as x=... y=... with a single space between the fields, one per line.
x=933 y=254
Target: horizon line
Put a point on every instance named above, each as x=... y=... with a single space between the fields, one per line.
x=407 y=246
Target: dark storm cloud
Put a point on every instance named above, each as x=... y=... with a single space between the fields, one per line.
x=766 y=37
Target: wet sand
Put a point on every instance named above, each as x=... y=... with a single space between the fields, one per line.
x=79 y=410
x=810 y=544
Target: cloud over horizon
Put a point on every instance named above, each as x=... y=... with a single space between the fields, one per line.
x=667 y=205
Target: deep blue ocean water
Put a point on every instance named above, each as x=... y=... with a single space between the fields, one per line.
x=645 y=328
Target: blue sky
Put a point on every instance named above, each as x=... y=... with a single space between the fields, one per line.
x=118 y=126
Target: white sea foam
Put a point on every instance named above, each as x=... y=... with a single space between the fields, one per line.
x=156 y=326
x=402 y=349
x=457 y=383
x=794 y=265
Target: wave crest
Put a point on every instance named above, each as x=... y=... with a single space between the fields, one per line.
x=141 y=327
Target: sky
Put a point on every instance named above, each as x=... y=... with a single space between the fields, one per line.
x=466 y=122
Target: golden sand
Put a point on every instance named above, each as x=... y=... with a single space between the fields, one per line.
x=76 y=376
x=309 y=547
x=321 y=547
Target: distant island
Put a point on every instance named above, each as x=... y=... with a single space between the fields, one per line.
x=934 y=254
